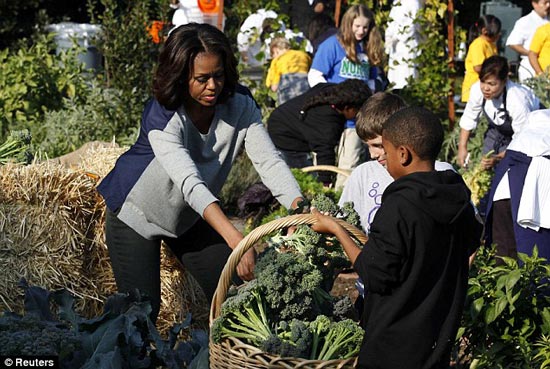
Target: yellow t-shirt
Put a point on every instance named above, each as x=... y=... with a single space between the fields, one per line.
x=541 y=45
x=479 y=50
x=292 y=61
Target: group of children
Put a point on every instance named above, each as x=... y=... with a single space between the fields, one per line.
x=422 y=228
x=422 y=231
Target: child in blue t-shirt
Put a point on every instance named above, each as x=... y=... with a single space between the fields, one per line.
x=353 y=53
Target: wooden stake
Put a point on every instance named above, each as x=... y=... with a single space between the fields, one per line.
x=337 y=12
x=451 y=47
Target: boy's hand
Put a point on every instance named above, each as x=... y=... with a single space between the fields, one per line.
x=325 y=223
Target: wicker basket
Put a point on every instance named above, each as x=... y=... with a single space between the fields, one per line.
x=327 y=168
x=233 y=353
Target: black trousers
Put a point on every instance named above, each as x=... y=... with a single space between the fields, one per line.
x=503 y=230
x=136 y=260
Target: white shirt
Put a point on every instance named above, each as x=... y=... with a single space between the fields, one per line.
x=365 y=187
x=520 y=101
x=534 y=141
x=522 y=34
x=187 y=11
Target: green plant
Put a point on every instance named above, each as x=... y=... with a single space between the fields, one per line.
x=433 y=84
x=342 y=340
x=16 y=148
x=123 y=337
x=129 y=53
x=507 y=314
x=99 y=117
x=34 y=80
x=244 y=316
x=541 y=87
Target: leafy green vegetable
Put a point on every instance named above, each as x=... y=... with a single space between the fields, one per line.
x=243 y=316
x=122 y=337
x=16 y=148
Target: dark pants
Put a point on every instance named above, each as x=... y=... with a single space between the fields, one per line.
x=296 y=159
x=503 y=230
x=136 y=260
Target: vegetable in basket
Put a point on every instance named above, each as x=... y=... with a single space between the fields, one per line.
x=16 y=148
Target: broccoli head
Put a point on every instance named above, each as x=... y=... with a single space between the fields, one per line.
x=325 y=204
x=342 y=340
x=291 y=284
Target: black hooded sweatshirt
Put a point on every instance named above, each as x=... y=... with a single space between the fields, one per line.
x=415 y=269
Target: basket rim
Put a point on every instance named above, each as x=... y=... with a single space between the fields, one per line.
x=327 y=168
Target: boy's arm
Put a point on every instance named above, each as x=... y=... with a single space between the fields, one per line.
x=326 y=224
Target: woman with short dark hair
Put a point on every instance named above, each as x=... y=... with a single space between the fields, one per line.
x=165 y=187
x=504 y=103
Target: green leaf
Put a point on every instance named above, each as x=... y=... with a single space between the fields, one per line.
x=495 y=310
x=545 y=315
x=65 y=310
x=37 y=301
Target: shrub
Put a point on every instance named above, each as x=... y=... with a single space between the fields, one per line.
x=100 y=117
x=129 y=54
x=506 y=322
x=35 y=80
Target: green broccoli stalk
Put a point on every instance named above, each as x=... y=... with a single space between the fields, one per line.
x=16 y=148
x=243 y=316
x=323 y=253
x=319 y=327
x=343 y=340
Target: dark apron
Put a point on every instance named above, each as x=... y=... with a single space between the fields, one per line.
x=497 y=138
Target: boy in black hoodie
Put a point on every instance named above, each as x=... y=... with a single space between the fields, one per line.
x=415 y=263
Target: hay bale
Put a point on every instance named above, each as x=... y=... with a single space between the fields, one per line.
x=52 y=233
x=46 y=230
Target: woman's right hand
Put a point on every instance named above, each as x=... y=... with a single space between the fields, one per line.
x=461 y=159
x=463 y=147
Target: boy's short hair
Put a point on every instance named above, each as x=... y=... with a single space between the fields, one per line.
x=417 y=128
x=374 y=113
x=279 y=43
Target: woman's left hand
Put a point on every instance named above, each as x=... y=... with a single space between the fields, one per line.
x=490 y=162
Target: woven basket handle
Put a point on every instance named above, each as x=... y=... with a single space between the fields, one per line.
x=328 y=168
x=254 y=236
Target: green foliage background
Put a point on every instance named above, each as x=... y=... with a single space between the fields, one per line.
x=506 y=322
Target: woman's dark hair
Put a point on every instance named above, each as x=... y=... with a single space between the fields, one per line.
x=489 y=22
x=318 y=24
x=351 y=93
x=495 y=66
x=170 y=83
